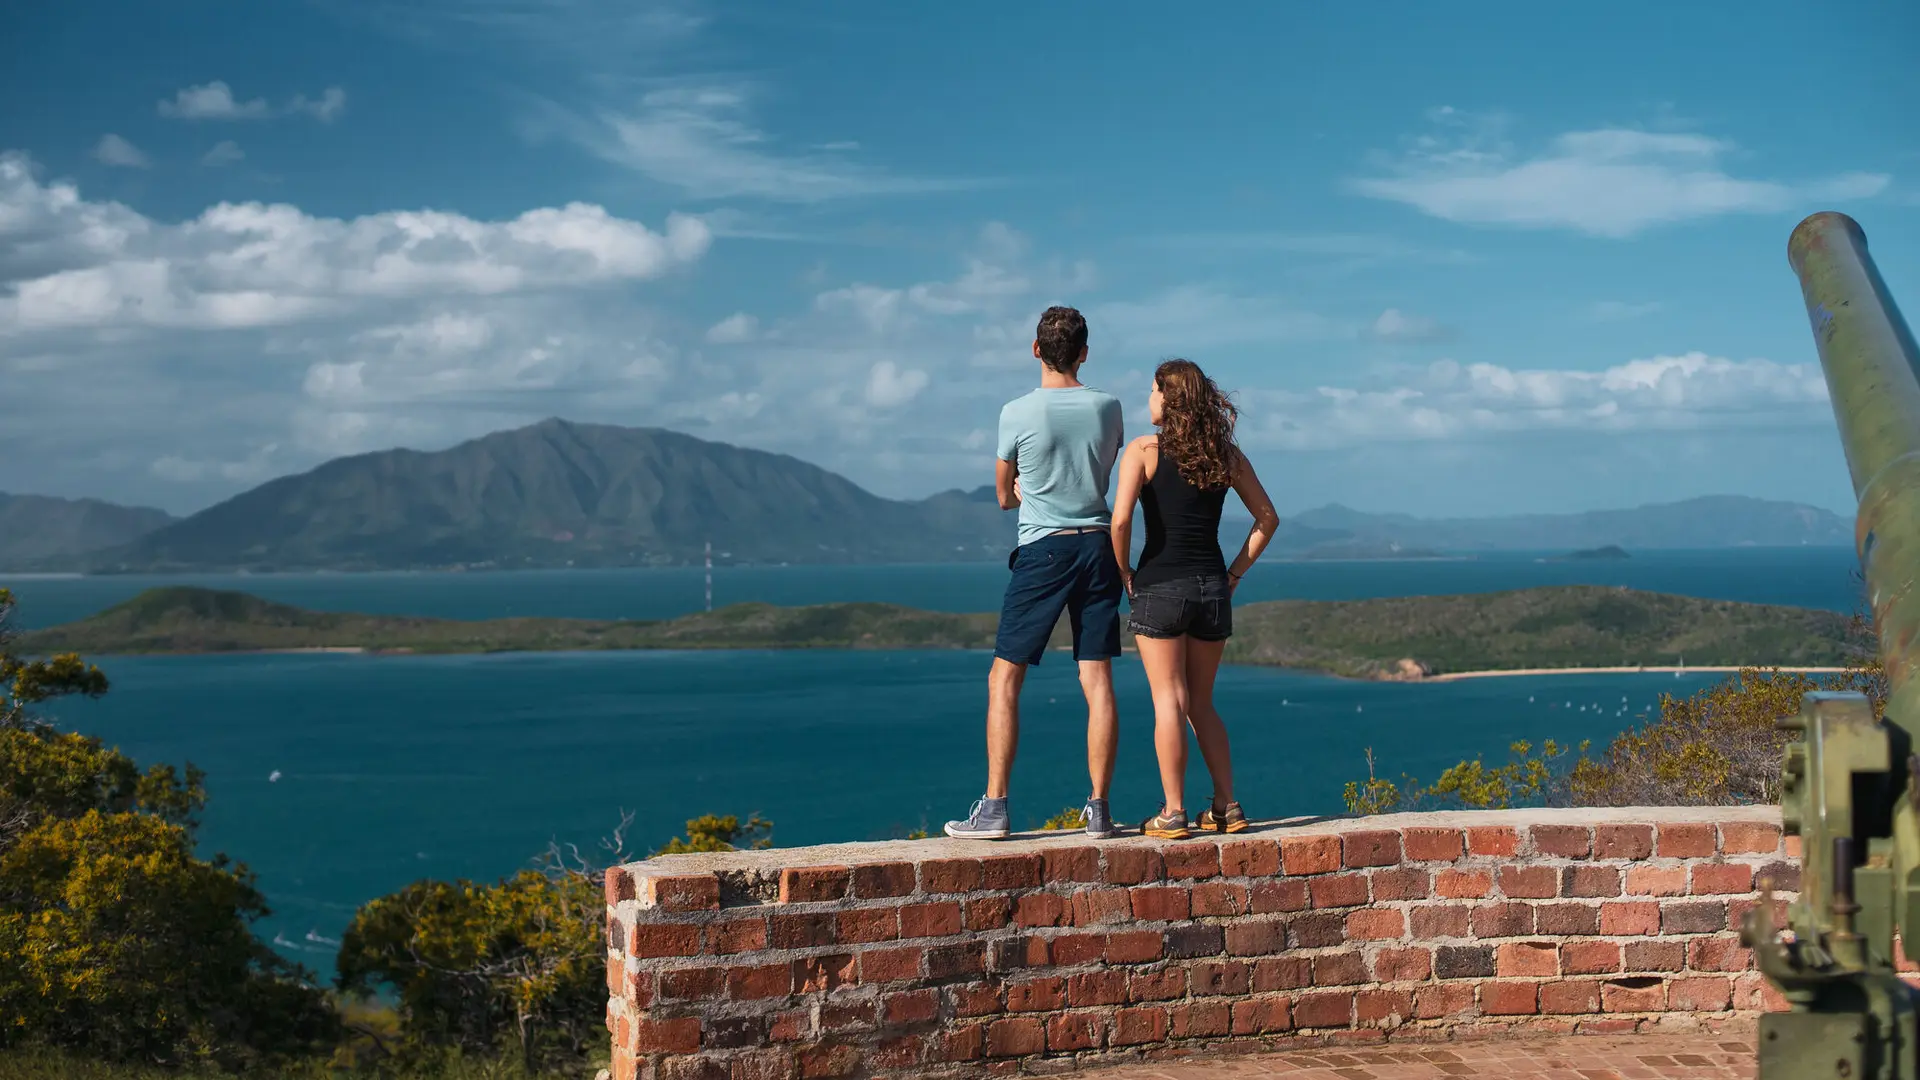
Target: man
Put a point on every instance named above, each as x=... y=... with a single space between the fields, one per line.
x=1058 y=445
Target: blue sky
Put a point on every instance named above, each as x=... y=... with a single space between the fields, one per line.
x=1453 y=259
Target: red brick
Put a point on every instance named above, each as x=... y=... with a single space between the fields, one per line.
x=1098 y=988
x=1714 y=879
x=1133 y=865
x=1685 y=841
x=900 y=1052
x=1075 y=1031
x=763 y=1065
x=1502 y=920
x=693 y=1068
x=1070 y=864
x=1792 y=847
x=803 y=931
x=1010 y=872
x=1191 y=861
x=1376 y=924
x=1220 y=978
x=1563 y=841
x=946 y=961
x=950 y=875
x=816 y=973
x=693 y=984
x=1589 y=957
x=738 y=936
x=1608 y=1025
x=639 y=989
x=1492 y=840
x=1432 y=845
x=1402 y=965
x=836 y=1016
x=1407 y=883
x=1260 y=1016
x=891 y=965
x=865 y=925
x=1163 y=985
x=1310 y=854
x=1041 y=909
x=1326 y=1009
x=1590 y=881
x=619 y=886
x=1634 y=995
x=1567 y=920
x=1443 y=1000
x=681 y=892
x=1219 y=898
x=1070 y=950
x=1249 y=858
x=1657 y=881
x=1711 y=993
x=1338 y=890
x=1133 y=1027
x=1529 y=882
x=1201 y=1019
x=1339 y=969
x=1622 y=918
x=1255 y=937
x=1509 y=998
x=813 y=884
x=1317 y=930
x=680 y=1036
x=1749 y=838
x=1282 y=973
x=1037 y=995
x=1737 y=915
x=880 y=880
x=1160 y=903
x=965 y=1043
x=989 y=913
x=1376 y=847
x=1272 y=897
x=1623 y=841
x=1569 y=997
x=1527 y=960
x=828 y=1059
x=1718 y=954
x=1697 y=917
x=1463 y=884
x=1439 y=920
x=1093 y=907
x=975 y=999
x=910 y=1007
x=649 y=942
x=938 y=919
x=1016 y=1036
x=1383 y=1008
x=1655 y=955
x=1135 y=947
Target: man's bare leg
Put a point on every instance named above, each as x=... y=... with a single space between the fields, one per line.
x=1003 y=723
x=1103 y=723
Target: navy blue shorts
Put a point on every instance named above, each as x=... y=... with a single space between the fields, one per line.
x=1073 y=573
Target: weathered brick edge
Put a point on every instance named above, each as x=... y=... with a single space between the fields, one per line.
x=935 y=957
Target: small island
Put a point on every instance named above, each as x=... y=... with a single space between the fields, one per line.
x=1558 y=628
x=1599 y=554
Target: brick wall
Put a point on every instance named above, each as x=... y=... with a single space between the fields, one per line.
x=1040 y=954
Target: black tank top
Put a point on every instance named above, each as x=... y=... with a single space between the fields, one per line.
x=1183 y=528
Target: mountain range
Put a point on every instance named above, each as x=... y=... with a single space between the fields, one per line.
x=564 y=494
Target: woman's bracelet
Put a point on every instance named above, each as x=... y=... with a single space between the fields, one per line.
x=1235 y=576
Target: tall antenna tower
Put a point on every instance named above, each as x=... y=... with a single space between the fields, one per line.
x=709 y=575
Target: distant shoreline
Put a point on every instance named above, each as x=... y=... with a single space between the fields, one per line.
x=1454 y=676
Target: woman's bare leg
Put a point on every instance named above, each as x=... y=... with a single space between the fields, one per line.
x=1166 y=663
x=1202 y=665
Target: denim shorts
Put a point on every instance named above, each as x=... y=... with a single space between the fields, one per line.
x=1195 y=607
x=1074 y=573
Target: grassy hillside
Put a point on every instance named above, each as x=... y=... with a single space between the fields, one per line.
x=1576 y=626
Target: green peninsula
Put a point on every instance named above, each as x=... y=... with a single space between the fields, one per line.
x=1395 y=638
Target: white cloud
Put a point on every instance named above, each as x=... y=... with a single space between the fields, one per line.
x=1664 y=393
x=890 y=386
x=224 y=152
x=1611 y=182
x=734 y=329
x=215 y=101
x=1395 y=325
x=114 y=150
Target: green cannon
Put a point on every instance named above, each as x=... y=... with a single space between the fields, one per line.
x=1850 y=785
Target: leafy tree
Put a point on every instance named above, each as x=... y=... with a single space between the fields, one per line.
x=115 y=940
x=713 y=833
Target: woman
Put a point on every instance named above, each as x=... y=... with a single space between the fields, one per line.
x=1182 y=592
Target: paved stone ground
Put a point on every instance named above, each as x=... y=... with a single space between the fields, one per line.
x=1703 y=1056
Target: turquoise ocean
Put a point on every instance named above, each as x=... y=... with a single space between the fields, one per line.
x=337 y=778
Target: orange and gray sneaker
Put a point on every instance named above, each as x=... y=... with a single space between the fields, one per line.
x=1229 y=818
x=1166 y=826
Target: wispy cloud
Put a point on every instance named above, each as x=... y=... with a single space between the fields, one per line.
x=216 y=101
x=734 y=329
x=225 y=152
x=1611 y=182
x=116 y=151
x=1398 y=326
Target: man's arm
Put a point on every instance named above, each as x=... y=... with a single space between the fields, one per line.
x=1006 y=483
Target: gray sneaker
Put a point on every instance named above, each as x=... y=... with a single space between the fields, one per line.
x=988 y=821
x=1099 y=820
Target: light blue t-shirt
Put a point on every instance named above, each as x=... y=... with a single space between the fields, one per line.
x=1064 y=442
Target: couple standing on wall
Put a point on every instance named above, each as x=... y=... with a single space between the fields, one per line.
x=1057 y=449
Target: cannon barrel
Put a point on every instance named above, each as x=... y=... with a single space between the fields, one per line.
x=1850 y=784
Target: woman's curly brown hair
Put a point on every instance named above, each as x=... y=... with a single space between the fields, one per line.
x=1196 y=425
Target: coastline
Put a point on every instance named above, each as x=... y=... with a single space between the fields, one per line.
x=1454 y=676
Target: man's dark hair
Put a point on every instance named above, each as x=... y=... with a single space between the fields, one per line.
x=1062 y=337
